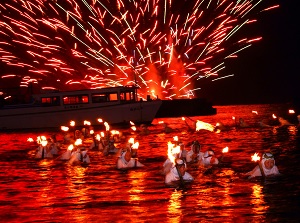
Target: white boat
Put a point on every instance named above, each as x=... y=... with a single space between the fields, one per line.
x=114 y=105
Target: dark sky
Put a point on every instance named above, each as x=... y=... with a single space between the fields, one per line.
x=267 y=72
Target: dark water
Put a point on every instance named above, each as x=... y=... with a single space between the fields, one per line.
x=53 y=191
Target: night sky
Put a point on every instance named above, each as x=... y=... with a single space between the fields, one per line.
x=267 y=72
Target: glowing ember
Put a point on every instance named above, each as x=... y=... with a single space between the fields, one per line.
x=255 y=157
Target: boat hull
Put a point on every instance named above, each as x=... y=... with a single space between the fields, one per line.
x=54 y=117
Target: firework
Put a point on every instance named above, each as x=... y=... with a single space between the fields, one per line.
x=163 y=46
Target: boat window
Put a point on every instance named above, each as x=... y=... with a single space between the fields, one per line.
x=76 y=99
x=50 y=101
x=127 y=96
x=99 y=98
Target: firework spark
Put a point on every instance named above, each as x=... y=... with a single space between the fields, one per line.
x=164 y=47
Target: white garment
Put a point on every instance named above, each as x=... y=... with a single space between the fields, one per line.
x=79 y=157
x=173 y=176
x=43 y=152
x=256 y=171
x=189 y=155
x=123 y=164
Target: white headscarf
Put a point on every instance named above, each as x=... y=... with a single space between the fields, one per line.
x=207 y=157
x=274 y=169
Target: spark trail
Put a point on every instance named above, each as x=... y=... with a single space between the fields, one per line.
x=163 y=46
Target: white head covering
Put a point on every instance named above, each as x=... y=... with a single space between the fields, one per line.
x=207 y=157
x=274 y=169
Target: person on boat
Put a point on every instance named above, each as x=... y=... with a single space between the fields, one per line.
x=194 y=154
x=79 y=157
x=267 y=166
x=209 y=158
x=127 y=159
x=178 y=173
x=43 y=151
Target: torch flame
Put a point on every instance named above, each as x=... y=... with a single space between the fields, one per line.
x=225 y=150
x=100 y=120
x=133 y=128
x=175 y=138
x=64 y=128
x=98 y=137
x=86 y=122
x=255 y=157
x=78 y=142
x=30 y=140
x=131 y=140
x=204 y=125
x=255 y=112
x=70 y=147
x=172 y=151
x=131 y=123
x=291 y=111
x=135 y=145
x=106 y=126
x=72 y=123
x=274 y=116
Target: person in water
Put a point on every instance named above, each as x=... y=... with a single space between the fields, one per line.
x=209 y=158
x=194 y=154
x=178 y=173
x=79 y=157
x=128 y=159
x=267 y=166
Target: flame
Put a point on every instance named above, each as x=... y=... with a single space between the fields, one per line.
x=100 y=120
x=291 y=111
x=255 y=112
x=175 y=138
x=64 y=128
x=40 y=139
x=115 y=132
x=98 y=137
x=255 y=157
x=106 y=126
x=172 y=151
x=102 y=134
x=225 y=150
x=135 y=145
x=131 y=140
x=274 y=116
x=78 y=142
x=204 y=125
x=233 y=117
x=44 y=143
x=92 y=132
x=131 y=123
x=72 y=123
x=86 y=122
x=30 y=140
x=183 y=118
x=160 y=122
x=133 y=128
x=70 y=147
